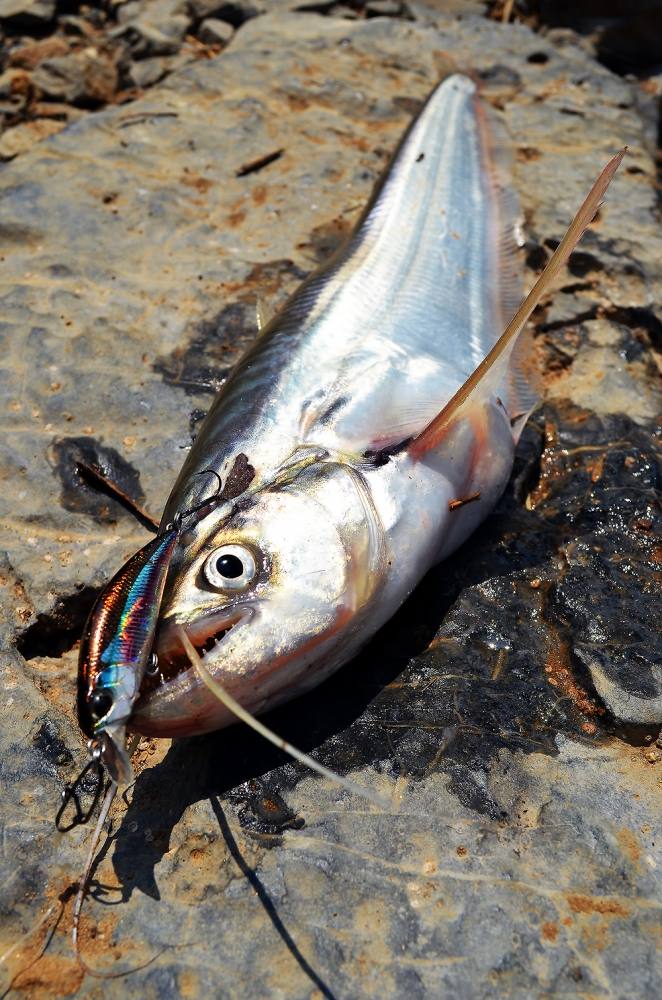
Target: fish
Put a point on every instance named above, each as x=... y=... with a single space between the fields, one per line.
x=378 y=412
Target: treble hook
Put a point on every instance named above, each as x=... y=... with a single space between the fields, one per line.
x=203 y=503
x=70 y=791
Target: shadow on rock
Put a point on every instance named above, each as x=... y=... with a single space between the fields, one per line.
x=480 y=659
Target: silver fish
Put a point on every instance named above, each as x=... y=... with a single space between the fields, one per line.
x=366 y=434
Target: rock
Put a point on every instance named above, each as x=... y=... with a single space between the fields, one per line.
x=201 y=9
x=215 y=32
x=129 y=11
x=31 y=54
x=145 y=38
x=22 y=137
x=383 y=8
x=519 y=855
x=147 y=72
x=85 y=77
x=630 y=685
x=60 y=112
x=27 y=12
x=15 y=83
x=77 y=26
x=239 y=11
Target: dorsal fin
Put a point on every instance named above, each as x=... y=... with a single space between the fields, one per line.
x=492 y=367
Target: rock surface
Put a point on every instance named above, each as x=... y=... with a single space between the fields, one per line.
x=509 y=712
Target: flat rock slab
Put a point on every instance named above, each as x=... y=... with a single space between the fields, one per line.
x=510 y=711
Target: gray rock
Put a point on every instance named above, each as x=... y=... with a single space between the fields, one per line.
x=239 y=11
x=383 y=8
x=74 y=25
x=147 y=72
x=27 y=11
x=201 y=9
x=519 y=856
x=22 y=137
x=129 y=11
x=145 y=37
x=630 y=684
x=82 y=77
x=215 y=32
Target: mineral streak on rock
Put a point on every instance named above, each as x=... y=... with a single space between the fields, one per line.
x=511 y=710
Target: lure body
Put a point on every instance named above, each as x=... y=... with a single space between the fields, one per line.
x=349 y=504
x=116 y=647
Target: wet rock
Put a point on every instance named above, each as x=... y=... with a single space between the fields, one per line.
x=215 y=32
x=87 y=77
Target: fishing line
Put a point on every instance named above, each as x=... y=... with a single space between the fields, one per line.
x=84 y=884
x=259 y=727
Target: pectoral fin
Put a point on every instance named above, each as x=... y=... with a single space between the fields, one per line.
x=491 y=371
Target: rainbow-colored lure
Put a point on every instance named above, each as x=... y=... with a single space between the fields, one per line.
x=116 y=650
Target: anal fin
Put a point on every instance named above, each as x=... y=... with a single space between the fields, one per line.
x=494 y=368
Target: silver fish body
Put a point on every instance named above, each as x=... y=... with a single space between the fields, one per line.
x=346 y=511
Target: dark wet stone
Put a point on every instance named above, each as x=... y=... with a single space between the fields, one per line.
x=76 y=462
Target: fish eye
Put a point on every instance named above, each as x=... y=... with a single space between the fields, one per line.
x=230 y=567
x=101 y=703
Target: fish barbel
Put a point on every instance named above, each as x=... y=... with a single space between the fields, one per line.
x=371 y=409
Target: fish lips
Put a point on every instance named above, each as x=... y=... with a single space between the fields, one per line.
x=207 y=633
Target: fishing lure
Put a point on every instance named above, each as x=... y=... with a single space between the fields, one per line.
x=118 y=638
x=116 y=650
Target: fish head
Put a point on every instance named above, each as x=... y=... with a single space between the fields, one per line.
x=273 y=597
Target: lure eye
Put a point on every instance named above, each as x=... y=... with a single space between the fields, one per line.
x=101 y=703
x=231 y=567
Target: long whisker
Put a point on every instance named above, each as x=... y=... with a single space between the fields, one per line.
x=259 y=727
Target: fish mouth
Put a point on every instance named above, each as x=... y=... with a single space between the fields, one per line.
x=207 y=634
